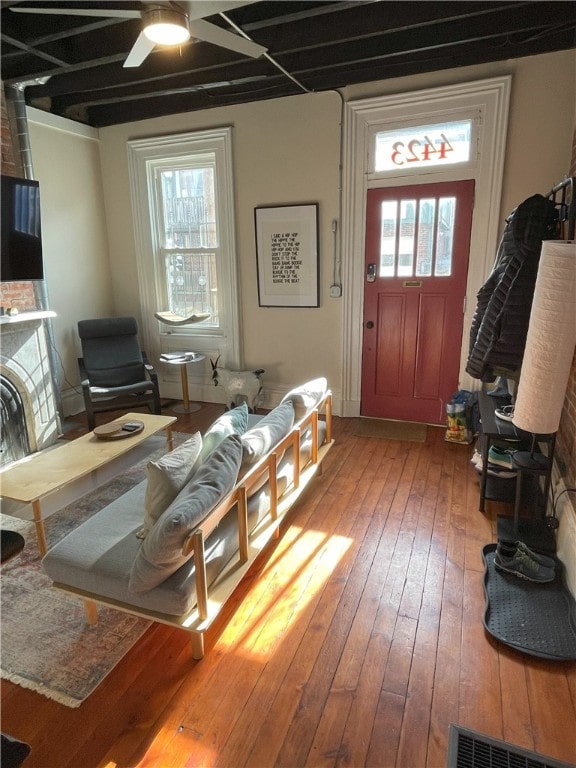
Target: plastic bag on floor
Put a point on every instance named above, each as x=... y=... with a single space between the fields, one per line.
x=460 y=418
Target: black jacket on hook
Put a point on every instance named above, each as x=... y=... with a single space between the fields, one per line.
x=500 y=323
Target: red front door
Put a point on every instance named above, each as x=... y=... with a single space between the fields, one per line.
x=417 y=248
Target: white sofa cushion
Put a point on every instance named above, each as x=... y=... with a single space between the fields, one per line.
x=269 y=430
x=232 y=422
x=168 y=475
x=307 y=396
x=166 y=478
x=161 y=552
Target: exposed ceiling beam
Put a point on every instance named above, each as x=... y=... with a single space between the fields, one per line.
x=321 y=45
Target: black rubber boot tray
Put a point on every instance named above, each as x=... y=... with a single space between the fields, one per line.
x=538 y=619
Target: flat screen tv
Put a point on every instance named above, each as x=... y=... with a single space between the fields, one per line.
x=21 y=233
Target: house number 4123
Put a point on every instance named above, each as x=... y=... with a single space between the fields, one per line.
x=417 y=150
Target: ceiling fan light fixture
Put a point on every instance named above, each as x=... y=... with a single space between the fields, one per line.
x=165 y=26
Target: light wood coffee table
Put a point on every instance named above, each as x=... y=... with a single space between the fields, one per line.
x=33 y=479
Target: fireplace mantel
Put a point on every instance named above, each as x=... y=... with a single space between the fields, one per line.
x=23 y=317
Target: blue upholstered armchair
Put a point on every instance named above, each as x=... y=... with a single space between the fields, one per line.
x=114 y=371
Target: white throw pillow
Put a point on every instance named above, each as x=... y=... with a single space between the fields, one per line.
x=167 y=477
x=259 y=440
x=161 y=553
x=232 y=422
x=307 y=396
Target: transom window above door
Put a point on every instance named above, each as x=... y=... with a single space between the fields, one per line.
x=423 y=146
x=416 y=237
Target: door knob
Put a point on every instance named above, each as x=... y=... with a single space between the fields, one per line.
x=369 y=324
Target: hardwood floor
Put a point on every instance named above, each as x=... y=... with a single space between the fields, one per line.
x=355 y=642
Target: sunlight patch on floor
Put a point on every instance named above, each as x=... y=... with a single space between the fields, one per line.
x=276 y=603
x=176 y=747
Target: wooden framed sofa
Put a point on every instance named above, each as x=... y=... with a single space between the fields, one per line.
x=174 y=548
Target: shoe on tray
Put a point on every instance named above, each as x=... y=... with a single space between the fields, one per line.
x=513 y=559
x=510 y=547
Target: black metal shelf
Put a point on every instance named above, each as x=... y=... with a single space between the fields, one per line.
x=504 y=489
x=495 y=430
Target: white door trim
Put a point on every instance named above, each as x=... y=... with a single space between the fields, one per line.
x=486 y=101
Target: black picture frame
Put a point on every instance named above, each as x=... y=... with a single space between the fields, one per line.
x=287 y=255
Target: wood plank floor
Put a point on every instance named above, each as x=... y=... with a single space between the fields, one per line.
x=355 y=642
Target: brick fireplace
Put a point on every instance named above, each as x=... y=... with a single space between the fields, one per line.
x=28 y=399
x=29 y=415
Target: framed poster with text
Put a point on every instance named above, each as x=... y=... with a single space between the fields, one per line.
x=287 y=255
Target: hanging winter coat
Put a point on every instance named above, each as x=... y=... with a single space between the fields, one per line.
x=500 y=323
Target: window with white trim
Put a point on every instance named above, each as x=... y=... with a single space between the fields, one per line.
x=183 y=201
x=186 y=217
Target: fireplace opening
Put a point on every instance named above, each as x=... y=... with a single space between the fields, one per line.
x=14 y=442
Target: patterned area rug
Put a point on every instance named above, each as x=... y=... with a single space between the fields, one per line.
x=46 y=644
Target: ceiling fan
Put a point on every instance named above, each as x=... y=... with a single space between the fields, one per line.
x=171 y=23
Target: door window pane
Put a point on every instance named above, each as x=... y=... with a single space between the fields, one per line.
x=407 y=236
x=445 y=236
x=388 y=213
x=425 y=253
x=416 y=237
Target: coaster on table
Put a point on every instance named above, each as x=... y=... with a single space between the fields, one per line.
x=117 y=430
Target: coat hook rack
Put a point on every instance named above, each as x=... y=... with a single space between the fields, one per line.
x=564 y=197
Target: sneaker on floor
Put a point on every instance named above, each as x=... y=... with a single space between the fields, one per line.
x=476 y=461
x=522 y=565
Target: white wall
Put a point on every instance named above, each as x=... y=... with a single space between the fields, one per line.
x=541 y=122
x=285 y=151
x=539 y=146
x=66 y=160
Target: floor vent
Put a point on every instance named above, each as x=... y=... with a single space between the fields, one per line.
x=468 y=749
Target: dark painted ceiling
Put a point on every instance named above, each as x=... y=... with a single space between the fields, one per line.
x=312 y=46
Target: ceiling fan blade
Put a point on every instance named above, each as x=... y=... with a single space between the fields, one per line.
x=210 y=33
x=200 y=9
x=140 y=50
x=110 y=14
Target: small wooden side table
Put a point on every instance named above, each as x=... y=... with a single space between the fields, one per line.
x=182 y=359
